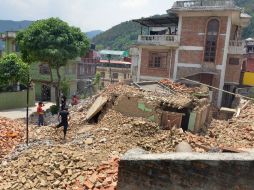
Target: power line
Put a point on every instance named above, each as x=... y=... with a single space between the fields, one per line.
x=246 y=97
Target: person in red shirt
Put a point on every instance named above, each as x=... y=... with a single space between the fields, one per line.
x=40 y=113
x=74 y=100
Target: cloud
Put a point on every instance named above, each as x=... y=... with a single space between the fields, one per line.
x=86 y=14
x=134 y=3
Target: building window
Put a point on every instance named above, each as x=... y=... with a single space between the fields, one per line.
x=44 y=69
x=233 y=61
x=211 y=40
x=124 y=75
x=102 y=74
x=115 y=75
x=158 y=60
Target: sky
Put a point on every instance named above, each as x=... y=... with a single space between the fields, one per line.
x=86 y=14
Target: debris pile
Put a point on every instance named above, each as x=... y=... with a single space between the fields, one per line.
x=11 y=134
x=44 y=168
x=177 y=87
x=103 y=178
x=80 y=163
x=237 y=132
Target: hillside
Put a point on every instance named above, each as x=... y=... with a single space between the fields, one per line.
x=9 y=25
x=249 y=8
x=93 y=33
x=122 y=36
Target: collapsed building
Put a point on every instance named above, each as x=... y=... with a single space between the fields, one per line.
x=157 y=103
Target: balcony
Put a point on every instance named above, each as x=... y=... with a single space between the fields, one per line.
x=204 y=4
x=236 y=47
x=164 y=40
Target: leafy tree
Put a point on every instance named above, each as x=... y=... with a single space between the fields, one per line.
x=54 y=42
x=13 y=70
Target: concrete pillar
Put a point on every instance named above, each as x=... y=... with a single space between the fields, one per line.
x=224 y=61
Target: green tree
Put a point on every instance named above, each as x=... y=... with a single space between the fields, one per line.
x=13 y=70
x=54 y=42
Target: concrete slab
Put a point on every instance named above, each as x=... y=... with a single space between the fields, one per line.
x=21 y=112
x=96 y=107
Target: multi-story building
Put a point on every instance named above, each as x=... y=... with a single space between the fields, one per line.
x=40 y=72
x=114 y=71
x=86 y=70
x=199 y=40
x=114 y=66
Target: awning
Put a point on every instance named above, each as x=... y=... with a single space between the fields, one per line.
x=165 y=20
x=112 y=52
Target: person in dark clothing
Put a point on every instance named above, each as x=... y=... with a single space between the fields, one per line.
x=64 y=114
x=63 y=102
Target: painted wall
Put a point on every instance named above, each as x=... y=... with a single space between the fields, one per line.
x=9 y=100
x=248 y=79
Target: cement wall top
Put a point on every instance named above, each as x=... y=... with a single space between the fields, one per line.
x=205 y=5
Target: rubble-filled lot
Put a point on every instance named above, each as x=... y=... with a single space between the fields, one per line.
x=11 y=134
x=89 y=158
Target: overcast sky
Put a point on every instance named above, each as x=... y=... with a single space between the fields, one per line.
x=86 y=14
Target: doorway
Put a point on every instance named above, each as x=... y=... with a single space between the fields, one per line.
x=45 y=93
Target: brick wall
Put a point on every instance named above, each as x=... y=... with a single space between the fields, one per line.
x=182 y=171
x=145 y=70
x=194 y=57
x=233 y=72
x=194 y=34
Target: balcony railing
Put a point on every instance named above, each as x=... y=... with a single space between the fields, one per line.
x=168 y=40
x=236 y=47
x=204 y=3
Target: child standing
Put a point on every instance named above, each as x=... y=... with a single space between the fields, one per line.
x=40 y=113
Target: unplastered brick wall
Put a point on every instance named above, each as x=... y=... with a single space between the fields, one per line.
x=145 y=70
x=233 y=72
x=195 y=57
x=194 y=34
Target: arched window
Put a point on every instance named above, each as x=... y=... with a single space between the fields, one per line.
x=211 y=40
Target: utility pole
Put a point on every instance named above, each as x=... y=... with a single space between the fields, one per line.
x=110 y=74
x=27 y=106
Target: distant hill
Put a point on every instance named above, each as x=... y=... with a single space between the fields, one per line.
x=248 y=6
x=122 y=36
x=93 y=33
x=9 y=25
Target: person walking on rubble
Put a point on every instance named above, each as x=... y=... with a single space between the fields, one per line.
x=40 y=113
x=64 y=114
x=63 y=102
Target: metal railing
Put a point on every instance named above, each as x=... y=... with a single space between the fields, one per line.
x=204 y=3
x=158 y=39
x=236 y=47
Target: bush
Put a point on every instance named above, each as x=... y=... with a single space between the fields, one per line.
x=53 y=109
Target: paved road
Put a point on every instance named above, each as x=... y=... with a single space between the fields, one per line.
x=21 y=112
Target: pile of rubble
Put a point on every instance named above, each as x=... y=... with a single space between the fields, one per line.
x=177 y=87
x=45 y=167
x=80 y=163
x=103 y=178
x=11 y=134
x=237 y=132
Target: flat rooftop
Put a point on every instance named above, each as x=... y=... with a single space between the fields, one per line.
x=205 y=5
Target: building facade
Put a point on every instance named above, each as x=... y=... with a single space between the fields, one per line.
x=197 y=40
x=114 y=71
